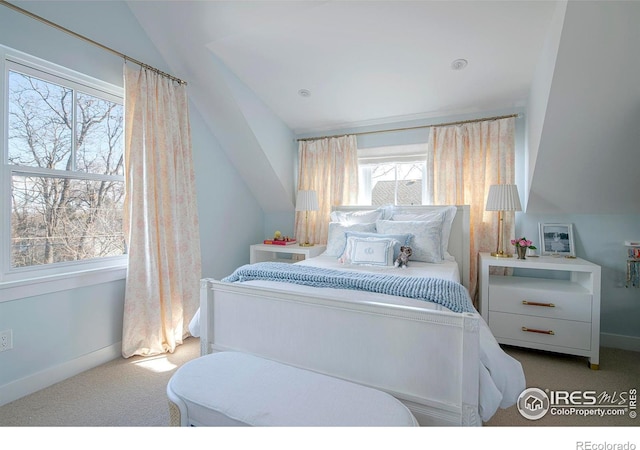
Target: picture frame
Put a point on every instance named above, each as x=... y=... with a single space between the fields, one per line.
x=556 y=239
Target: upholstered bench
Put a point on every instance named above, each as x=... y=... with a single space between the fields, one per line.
x=234 y=388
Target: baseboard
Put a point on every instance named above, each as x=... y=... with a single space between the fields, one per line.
x=631 y=343
x=33 y=383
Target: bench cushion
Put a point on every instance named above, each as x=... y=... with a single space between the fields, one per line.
x=234 y=388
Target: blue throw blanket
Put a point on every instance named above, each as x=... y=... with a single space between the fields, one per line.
x=449 y=294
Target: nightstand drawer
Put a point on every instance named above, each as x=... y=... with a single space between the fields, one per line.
x=540 y=300
x=561 y=333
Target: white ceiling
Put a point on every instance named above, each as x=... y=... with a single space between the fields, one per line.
x=369 y=61
x=376 y=62
x=364 y=62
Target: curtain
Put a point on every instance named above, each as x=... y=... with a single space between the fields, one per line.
x=328 y=166
x=160 y=217
x=462 y=162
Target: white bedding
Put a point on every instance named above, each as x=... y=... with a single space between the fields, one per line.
x=501 y=377
x=447 y=270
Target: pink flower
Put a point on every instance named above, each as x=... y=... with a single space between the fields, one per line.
x=522 y=242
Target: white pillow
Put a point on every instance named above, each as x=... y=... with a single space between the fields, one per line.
x=401 y=239
x=427 y=237
x=369 y=251
x=449 y=213
x=352 y=217
x=336 y=239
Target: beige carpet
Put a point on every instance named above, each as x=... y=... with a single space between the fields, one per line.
x=132 y=392
x=619 y=373
x=122 y=392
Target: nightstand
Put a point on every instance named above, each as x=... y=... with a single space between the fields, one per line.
x=553 y=305
x=268 y=252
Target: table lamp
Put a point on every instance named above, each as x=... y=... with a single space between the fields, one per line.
x=501 y=198
x=306 y=201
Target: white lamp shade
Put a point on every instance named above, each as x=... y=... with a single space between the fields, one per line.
x=503 y=197
x=307 y=201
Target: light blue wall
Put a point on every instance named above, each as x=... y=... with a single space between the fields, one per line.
x=230 y=217
x=58 y=332
x=275 y=137
x=282 y=222
x=278 y=143
x=58 y=328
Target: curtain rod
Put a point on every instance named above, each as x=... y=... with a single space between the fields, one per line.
x=412 y=128
x=86 y=39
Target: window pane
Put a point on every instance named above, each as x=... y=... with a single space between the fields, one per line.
x=58 y=219
x=383 y=184
x=409 y=185
x=396 y=183
x=99 y=143
x=40 y=123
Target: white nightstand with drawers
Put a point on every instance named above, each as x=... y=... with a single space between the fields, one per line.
x=553 y=305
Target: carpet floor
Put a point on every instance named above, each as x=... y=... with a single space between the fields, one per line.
x=124 y=392
x=132 y=392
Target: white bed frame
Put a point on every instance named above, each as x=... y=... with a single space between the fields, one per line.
x=427 y=359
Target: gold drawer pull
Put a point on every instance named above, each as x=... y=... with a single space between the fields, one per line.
x=548 y=305
x=533 y=330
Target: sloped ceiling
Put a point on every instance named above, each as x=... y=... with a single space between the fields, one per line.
x=181 y=31
x=362 y=61
x=375 y=62
x=588 y=159
x=381 y=60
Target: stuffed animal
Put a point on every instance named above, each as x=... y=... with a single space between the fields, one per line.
x=403 y=257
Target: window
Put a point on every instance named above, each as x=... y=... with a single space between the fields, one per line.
x=392 y=175
x=64 y=169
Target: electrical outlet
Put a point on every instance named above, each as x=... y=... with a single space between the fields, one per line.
x=6 y=340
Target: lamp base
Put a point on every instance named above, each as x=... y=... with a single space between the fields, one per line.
x=305 y=244
x=501 y=255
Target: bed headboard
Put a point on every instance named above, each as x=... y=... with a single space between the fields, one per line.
x=459 y=240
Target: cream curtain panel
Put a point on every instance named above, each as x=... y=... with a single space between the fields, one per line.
x=328 y=166
x=462 y=162
x=160 y=221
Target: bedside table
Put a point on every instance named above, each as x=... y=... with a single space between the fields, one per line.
x=268 y=252
x=556 y=307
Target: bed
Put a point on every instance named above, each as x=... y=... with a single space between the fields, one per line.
x=345 y=314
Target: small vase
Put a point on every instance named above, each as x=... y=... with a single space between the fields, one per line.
x=522 y=251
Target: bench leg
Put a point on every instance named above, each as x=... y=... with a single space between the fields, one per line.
x=174 y=415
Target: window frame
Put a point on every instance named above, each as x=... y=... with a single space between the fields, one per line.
x=96 y=269
x=390 y=154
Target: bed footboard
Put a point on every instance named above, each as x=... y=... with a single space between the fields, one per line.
x=427 y=359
